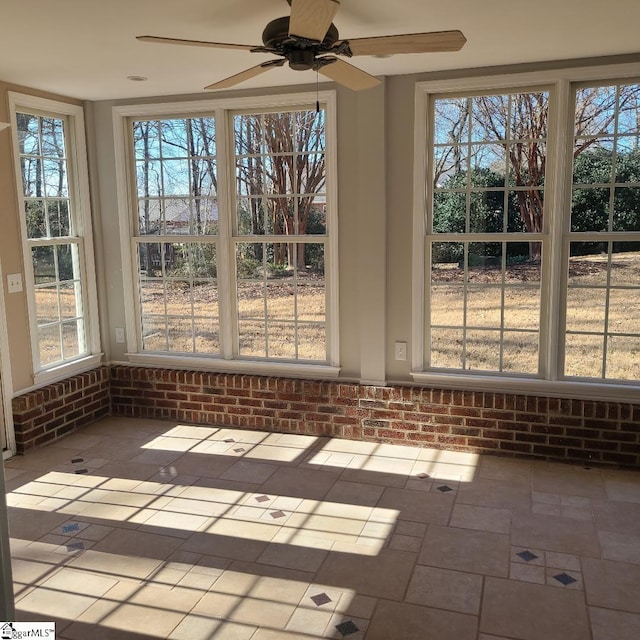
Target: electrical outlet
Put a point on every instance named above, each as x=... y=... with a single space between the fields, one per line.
x=14 y=282
x=119 y=335
x=401 y=350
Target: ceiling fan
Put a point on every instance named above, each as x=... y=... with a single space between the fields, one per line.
x=308 y=39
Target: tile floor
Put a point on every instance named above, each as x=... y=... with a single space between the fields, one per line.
x=141 y=529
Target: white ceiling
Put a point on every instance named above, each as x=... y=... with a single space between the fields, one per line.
x=87 y=48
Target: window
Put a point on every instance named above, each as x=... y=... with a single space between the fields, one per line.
x=56 y=229
x=280 y=190
x=602 y=328
x=531 y=271
x=177 y=229
x=234 y=234
x=487 y=233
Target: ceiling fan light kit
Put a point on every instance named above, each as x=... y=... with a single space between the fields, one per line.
x=308 y=40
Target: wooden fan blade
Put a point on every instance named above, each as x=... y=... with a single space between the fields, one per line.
x=348 y=75
x=231 y=81
x=195 y=43
x=311 y=19
x=408 y=43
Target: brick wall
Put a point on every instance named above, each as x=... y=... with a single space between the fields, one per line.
x=49 y=413
x=516 y=425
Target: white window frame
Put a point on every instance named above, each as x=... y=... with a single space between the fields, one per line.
x=222 y=110
x=560 y=84
x=79 y=196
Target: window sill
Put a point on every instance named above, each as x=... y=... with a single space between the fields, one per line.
x=579 y=390
x=257 y=367
x=66 y=370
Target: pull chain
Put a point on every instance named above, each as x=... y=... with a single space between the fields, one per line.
x=317 y=92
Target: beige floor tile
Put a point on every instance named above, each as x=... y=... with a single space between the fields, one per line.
x=486 y=492
x=532 y=611
x=202 y=465
x=116 y=565
x=405 y=543
x=468 y=516
x=568 y=479
x=554 y=534
x=504 y=469
x=384 y=575
x=617 y=546
x=138 y=544
x=127 y=469
x=418 y=506
x=376 y=476
x=527 y=573
x=23 y=524
x=354 y=493
x=309 y=621
x=55 y=602
x=612 y=585
x=274 y=453
x=77 y=582
x=195 y=627
x=293 y=557
x=179 y=599
x=410 y=622
x=613 y=625
x=445 y=589
x=158 y=620
x=466 y=550
x=618 y=517
x=224 y=546
x=251 y=472
x=312 y=484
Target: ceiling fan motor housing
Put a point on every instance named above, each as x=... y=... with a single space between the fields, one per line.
x=300 y=53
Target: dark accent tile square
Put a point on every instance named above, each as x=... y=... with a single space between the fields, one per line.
x=76 y=546
x=74 y=526
x=277 y=514
x=320 y=599
x=565 y=579
x=347 y=628
x=444 y=488
x=422 y=476
x=74 y=460
x=262 y=498
x=229 y=440
x=79 y=471
x=527 y=556
x=239 y=450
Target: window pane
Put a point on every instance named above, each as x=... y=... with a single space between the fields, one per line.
x=586 y=308
x=70 y=295
x=44 y=264
x=35 y=219
x=311 y=342
x=624 y=311
x=311 y=298
x=590 y=209
x=483 y=350
x=626 y=209
x=623 y=358
x=521 y=307
x=520 y=352
x=484 y=306
x=625 y=264
x=447 y=348
x=47 y=310
x=583 y=356
x=71 y=337
x=252 y=339
x=154 y=333
x=282 y=340
x=49 y=344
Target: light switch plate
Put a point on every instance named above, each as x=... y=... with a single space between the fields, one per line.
x=14 y=282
